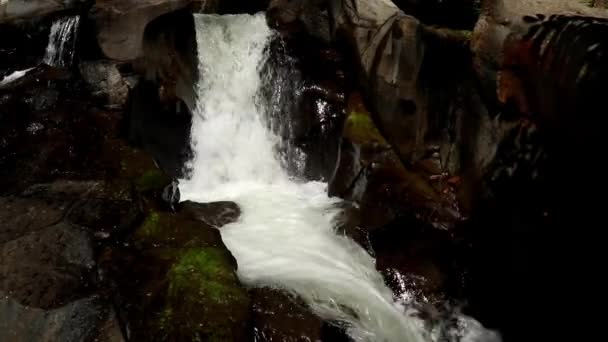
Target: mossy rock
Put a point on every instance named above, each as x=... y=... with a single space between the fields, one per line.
x=183 y=294
x=152 y=180
x=134 y=165
x=359 y=126
x=180 y=283
x=204 y=299
x=162 y=229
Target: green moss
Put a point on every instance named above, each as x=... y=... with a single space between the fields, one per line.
x=361 y=129
x=152 y=180
x=204 y=298
x=151 y=226
x=203 y=272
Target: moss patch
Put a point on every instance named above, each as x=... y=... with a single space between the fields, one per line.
x=152 y=180
x=204 y=272
x=204 y=298
x=359 y=127
x=161 y=229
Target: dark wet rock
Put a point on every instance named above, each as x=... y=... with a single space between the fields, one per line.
x=313 y=81
x=104 y=208
x=187 y=287
x=370 y=173
x=21 y=216
x=311 y=16
x=105 y=82
x=48 y=267
x=75 y=322
x=458 y=14
x=110 y=330
x=170 y=56
x=163 y=130
x=280 y=316
x=214 y=214
x=161 y=229
x=419 y=259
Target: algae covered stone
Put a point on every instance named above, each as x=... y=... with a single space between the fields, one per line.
x=187 y=288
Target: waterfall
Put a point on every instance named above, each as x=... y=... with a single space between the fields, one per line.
x=62 y=41
x=285 y=236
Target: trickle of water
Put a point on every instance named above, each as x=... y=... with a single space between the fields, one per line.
x=285 y=236
x=62 y=41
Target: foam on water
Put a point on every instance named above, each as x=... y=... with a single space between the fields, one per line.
x=285 y=236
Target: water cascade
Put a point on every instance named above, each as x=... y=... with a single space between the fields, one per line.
x=285 y=236
x=62 y=41
x=8 y=79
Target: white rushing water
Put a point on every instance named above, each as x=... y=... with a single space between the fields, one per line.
x=62 y=41
x=285 y=236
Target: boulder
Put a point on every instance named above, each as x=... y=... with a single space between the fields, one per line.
x=105 y=82
x=22 y=10
x=314 y=80
x=215 y=214
x=370 y=173
x=48 y=267
x=187 y=288
x=121 y=24
x=170 y=56
x=73 y=322
x=280 y=316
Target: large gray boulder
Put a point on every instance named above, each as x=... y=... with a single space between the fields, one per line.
x=15 y=10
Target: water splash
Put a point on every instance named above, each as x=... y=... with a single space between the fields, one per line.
x=62 y=42
x=285 y=236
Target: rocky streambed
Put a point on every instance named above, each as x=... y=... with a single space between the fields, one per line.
x=417 y=115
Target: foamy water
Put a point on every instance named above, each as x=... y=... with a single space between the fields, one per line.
x=285 y=236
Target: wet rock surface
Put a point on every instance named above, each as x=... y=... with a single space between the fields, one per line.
x=279 y=316
x=187 y=285
x=455 y=165
x=215 y=214
x=76 y=321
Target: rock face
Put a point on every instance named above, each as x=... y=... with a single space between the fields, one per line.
x=121 y=24
x=76 y=321
x=105 y=82
x=15 y=10
x=170 y=57
x=314 y=81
